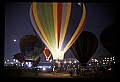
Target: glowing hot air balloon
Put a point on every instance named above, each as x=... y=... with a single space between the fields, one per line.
x=47 y=53
x=58 y=24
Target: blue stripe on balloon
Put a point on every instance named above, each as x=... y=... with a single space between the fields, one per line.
x=75 y=16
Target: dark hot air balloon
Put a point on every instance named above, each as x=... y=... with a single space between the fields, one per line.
x=108 y=39
x=19 y=57
x=31 y=47
x=84 y=47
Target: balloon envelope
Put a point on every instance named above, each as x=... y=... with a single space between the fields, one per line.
x=85 y=46
x=31 y=47
x=36 y=62
x=108 y=39
x=58 y=24
x=47 y=53
x=19 y=57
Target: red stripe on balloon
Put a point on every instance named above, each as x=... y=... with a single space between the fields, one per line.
x=37 y=25
x=59 y=14
x=46 y=52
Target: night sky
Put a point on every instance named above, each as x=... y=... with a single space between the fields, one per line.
x=18 y=24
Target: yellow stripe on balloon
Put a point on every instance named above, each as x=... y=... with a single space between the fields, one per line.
x=55 y=23
x=49 y=55
x=44 y=54
x=39 y=24
x=66 y=23
x=72 y=40
x=75 y=51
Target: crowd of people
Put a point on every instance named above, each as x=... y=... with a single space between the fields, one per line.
x=91 y=72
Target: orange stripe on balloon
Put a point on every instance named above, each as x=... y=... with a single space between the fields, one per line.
x=59 y=10
x=78 y=33
x=35 y=14
x=46 y=53
x=36 y=23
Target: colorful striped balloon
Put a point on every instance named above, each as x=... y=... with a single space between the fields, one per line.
x=58 y=24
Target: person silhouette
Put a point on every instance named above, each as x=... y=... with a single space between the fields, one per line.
x=71 y=71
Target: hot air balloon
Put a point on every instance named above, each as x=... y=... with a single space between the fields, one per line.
x=31 y=47
x=47 y=53
x=19 y=57
x=108 y=39
x=84 y=47
x=58 y=24
x=36 y=62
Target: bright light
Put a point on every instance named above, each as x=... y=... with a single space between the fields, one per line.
x=70 y=62
x=37 y=69
x=53 y=69
x=105 y=57
x=5 y=61
x=22 y=64
x=64 y=61
x=92 y=59
x=43 y=68
x=51 y=60
x=89 y=64
x=74 y=61
x=11 y=62
x=73 y=65
x=16 y=60
x=13 y=59
x=114 y=62
x=95 y=60
x=14 y=40
x=79 y=4
x=29 y=64
x=103 y=63
x=8 y=60
x=39 y=66
x=47 y=59
x=109 y=69
x=58 y=54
